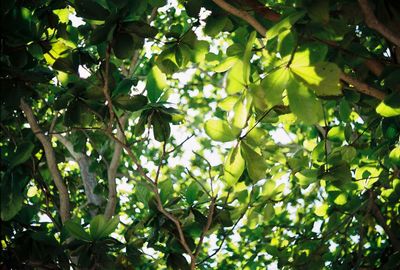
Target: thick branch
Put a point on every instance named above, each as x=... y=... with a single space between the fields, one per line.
x=362 y=87
x=243 y=15
x=263 y=10
x=88 y=178
x=374 y=23
x=112 y=169
x=51 y=161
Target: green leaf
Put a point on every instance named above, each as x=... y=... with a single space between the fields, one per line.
x=247 y=56
x=303 y=102
x=156 y=82
x=191 y=192
x=219 y=130
x=234 y=80
x=321 y=210
x=226 y=64
x=123 y=87
x=318 y=10
x=286 y=42
x=227 y=103
x=307 y=177
x=215 y=25
x=273 y=86
x=161 y=127
x=77 y=231
x=233 y=166
x=240 y=112
x=285 y=23
x=91 y=10
x=140 y=28
x=348 y=153
x=390 y=106
x=340 y=173
x=11 y=195
x=22 y=154
x=109 y=227
x=255 y=162
x=97 y=225
x=336 y=134
x=130 y=103
x=394 y=156
x=123 y=46
x=323 y=77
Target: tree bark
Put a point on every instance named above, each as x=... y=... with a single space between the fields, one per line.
x=51 y=161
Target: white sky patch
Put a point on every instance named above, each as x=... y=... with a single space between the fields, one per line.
x=76 y=21
x=83 y=72
x=281 y=136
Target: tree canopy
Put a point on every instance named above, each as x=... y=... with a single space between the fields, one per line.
x=200 y=134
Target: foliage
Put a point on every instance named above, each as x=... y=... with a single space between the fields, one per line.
x=200 y=134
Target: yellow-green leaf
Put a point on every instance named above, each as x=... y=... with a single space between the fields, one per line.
x=219 y=130
x=233 y=166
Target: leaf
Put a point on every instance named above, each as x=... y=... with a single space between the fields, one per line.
x=22 y=154
x=394 y=156
x=233 y=166
x=318 y=10
x=390 y=106
x=307 y=177
x=336 y=134
x=234 y=80
x=240 y=112
x=215 y=25
x=123 y=87
x=176 y=261
x=140 y=28
x=131 y=103
x=255 y=162
x=285 y=23
x=303 y=102
x=323 y=78
x=340 y=173
x=247 y=57
x=156 y=82
x=91 y=10
x=219 y=130
x=226 y=64
x=227 y=103
x=12 y=199
x=123 y=46
x=161 y=128
x=96 y=226
x=273 y=86
x=321 y=210
x=109 y=227
x=191 y=192
x=77 y=231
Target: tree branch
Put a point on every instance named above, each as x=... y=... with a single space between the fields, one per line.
x=382 y=222
x=261 y=9
x=51 y=161
x=362 y=87
x=88 y=178
x=243 y=15
x=112 y=169
x=374 y=23
x=359 y=86
x=203 y=233
x=106 y=90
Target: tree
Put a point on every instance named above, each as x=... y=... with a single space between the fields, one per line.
x=246 y=134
